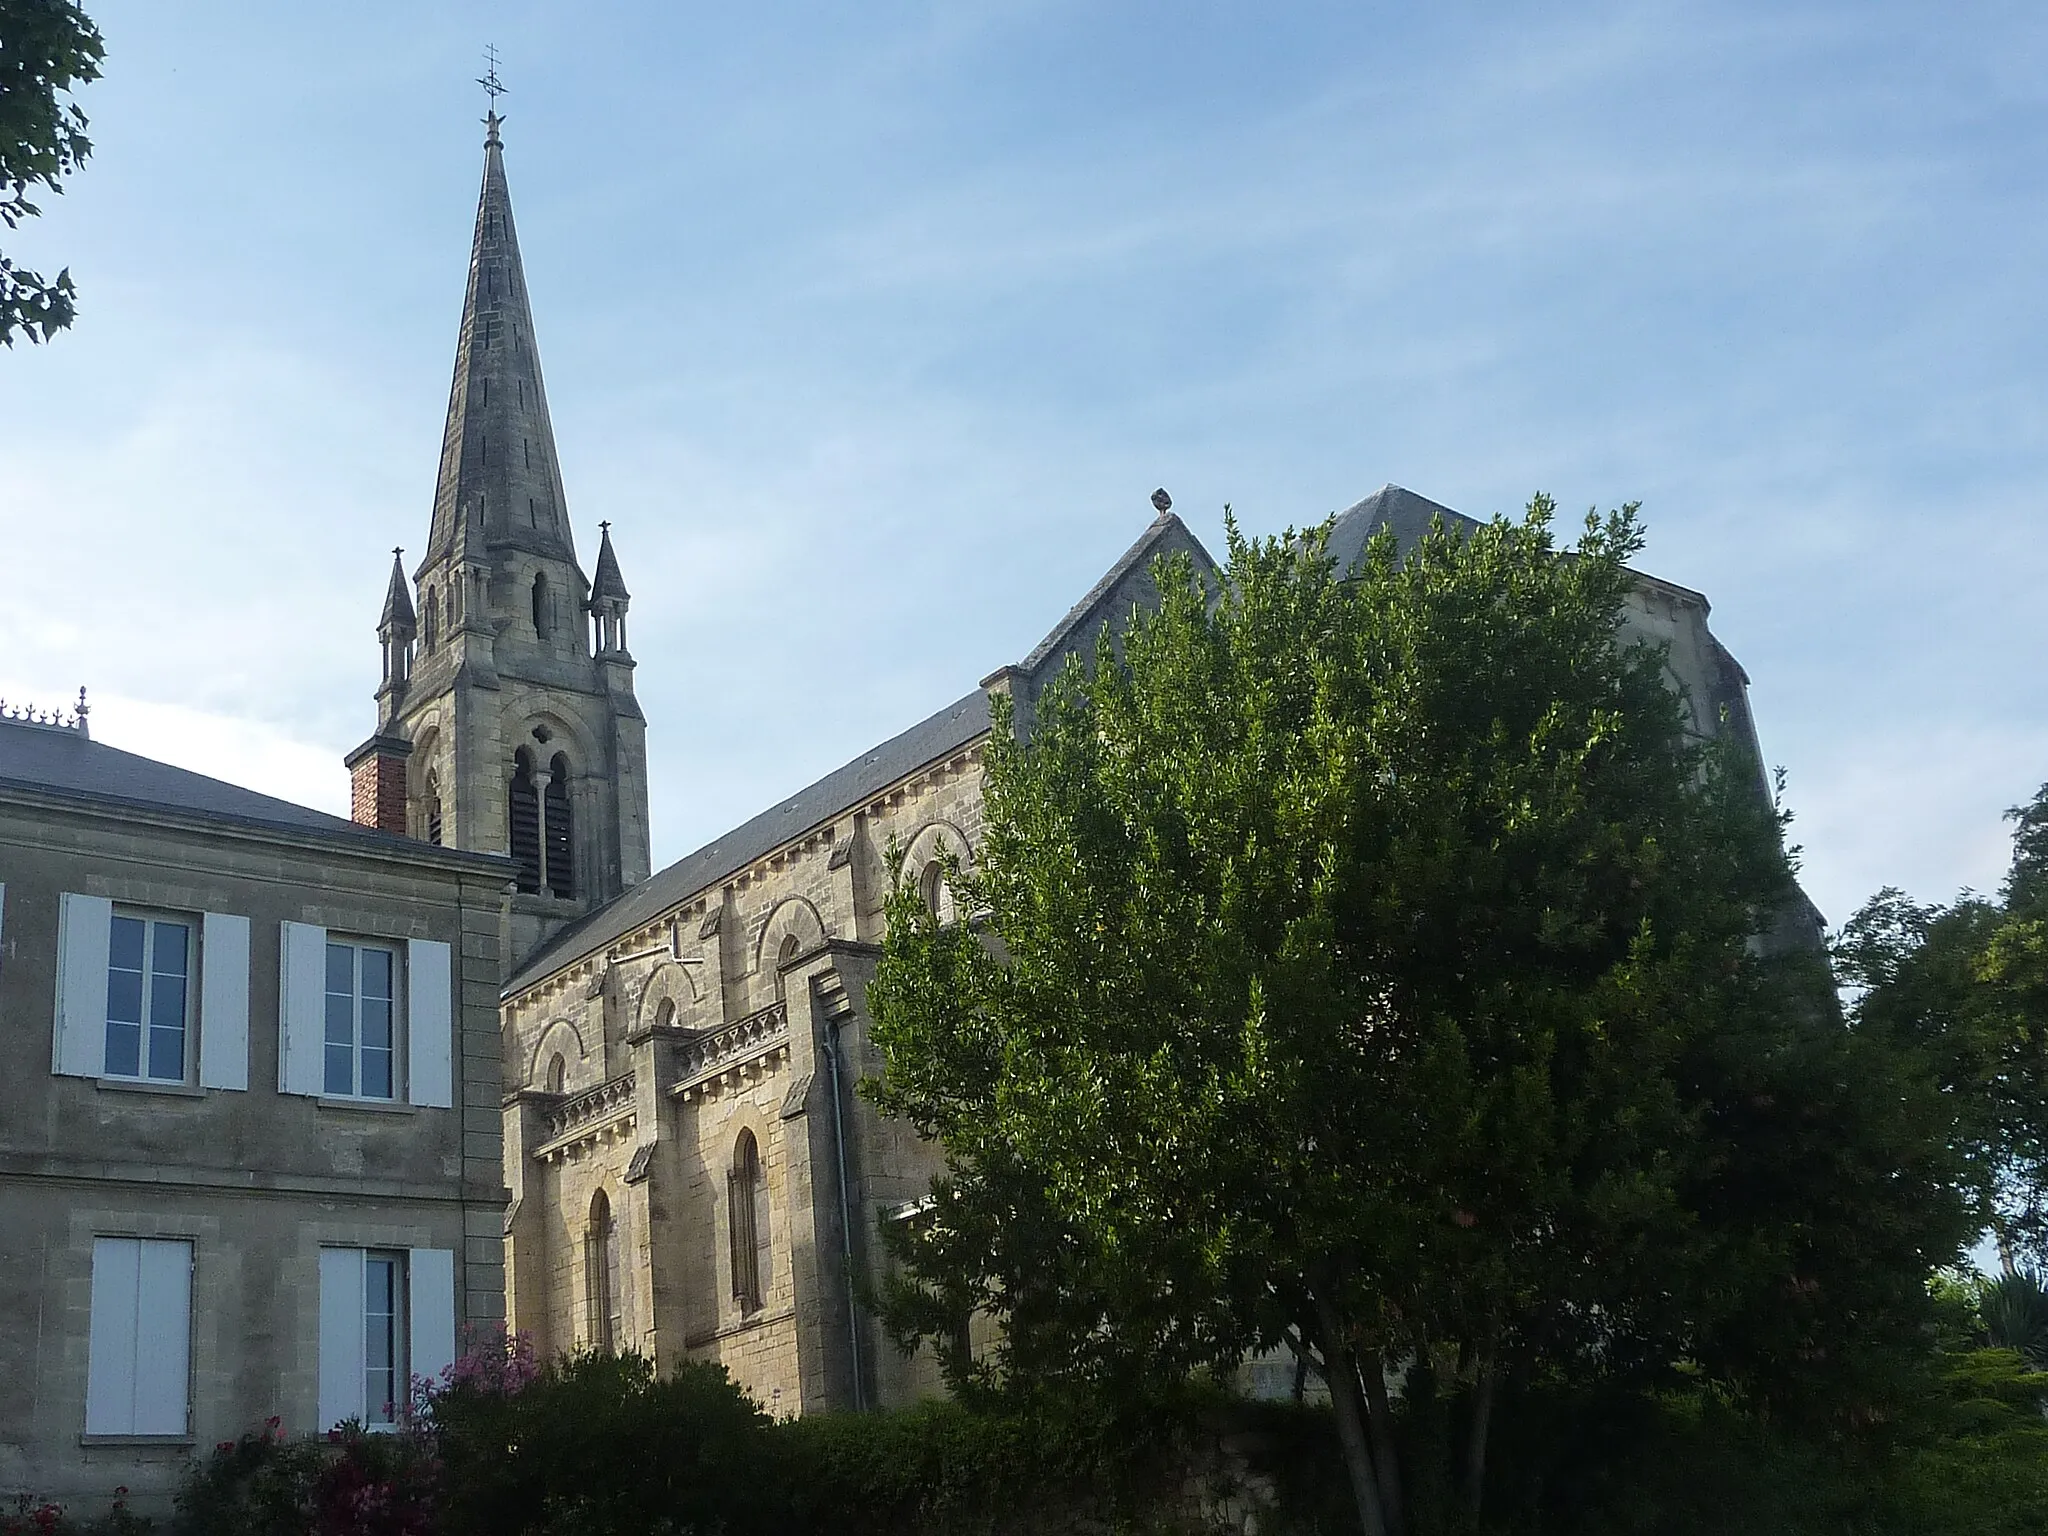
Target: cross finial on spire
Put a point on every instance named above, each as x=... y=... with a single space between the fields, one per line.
x=493 y=88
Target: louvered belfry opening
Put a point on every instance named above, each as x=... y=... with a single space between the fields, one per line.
x=561 y=842
x=523 y=808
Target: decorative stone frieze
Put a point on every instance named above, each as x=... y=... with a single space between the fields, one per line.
x=603 y=1113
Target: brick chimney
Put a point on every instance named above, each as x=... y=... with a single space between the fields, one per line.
x=377 y=783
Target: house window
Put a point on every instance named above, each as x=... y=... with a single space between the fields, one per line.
x=385 y=1381
x=139 y=1344
x=361 y=1056
x=746 y=1195
x=385 y=1314
x=149 y=997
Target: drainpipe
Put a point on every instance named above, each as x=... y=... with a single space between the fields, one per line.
x=860 y=1399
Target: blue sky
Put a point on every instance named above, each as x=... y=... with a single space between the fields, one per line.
x=872 y=328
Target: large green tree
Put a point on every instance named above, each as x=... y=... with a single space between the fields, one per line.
x=1374 y=965
x=47 y=49
x=1964 y=989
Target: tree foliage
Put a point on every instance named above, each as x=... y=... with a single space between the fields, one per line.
x=1963 y=989
x=48 y=48
x=1374 y=966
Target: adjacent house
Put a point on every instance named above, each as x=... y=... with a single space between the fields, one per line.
x=249 y=1134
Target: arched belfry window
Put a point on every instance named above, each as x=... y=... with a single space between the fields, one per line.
x=604 y=1323
x=746 y=1198
x=430 y=612
x=935 y=893
x=558 y=1073
x=561 y=840
x=785 y=952
x=430 y=811
x=543 y=607
x=523 y=821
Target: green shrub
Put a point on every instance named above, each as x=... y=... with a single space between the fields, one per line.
x=600 y=1446
x=31 y=1516
x=351 y=1484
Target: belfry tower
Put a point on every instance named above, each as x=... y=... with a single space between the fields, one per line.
x=506 y=721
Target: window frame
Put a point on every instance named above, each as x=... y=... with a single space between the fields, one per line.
x=397 y=1324
x=398 y=1002
x=749 y=1224
x=152 y=918
x=96 y=1277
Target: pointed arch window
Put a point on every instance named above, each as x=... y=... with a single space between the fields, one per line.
x=746 y=1199
x=523 y=822
x=561 y=841
x=604 y=1322
x=430 y=611
x=543 y=605
x=430 y=812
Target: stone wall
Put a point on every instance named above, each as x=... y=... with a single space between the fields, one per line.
x=726 y=1011
x=255 y=1179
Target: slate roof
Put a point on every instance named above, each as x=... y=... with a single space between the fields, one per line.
x=1390 y=506
x=53 y=760
x=952 y=728
x=945 y=732
x=607 y=582
x=1149 y=542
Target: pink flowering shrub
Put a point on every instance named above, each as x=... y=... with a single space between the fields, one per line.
x=493 y=1362
x=31 y=1516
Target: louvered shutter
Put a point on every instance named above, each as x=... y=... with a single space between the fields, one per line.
x=110 y=1344
x=224 y=1002
x=84 y=931
x=341 y=1336
x=163 y=1339
x=302 y=1012
x=431 y=1301
x=430 y=1023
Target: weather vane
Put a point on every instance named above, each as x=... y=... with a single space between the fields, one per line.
x=493 y=86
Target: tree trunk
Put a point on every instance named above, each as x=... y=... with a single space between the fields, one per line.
x=1475 y=1440
x=1384 y=1456
x=1340 y=1371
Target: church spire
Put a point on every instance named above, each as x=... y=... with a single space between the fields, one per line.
x=398 y=617
x=500 y=485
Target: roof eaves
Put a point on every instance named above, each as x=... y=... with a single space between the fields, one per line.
x=367 y=841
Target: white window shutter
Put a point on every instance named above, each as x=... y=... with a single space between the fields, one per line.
x=110 y=1344
x=224 y=1002
x=430 y=1023
x=341 y=1336
x=84 y=932
x=163 y=1339
x=302 y=1014
x=431 y=1302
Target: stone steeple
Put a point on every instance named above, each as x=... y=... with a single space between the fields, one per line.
x=512 y=731
x=500 y=483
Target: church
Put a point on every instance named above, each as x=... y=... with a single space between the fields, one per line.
x=690 y=1172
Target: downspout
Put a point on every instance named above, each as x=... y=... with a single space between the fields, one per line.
x=860 y=1401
